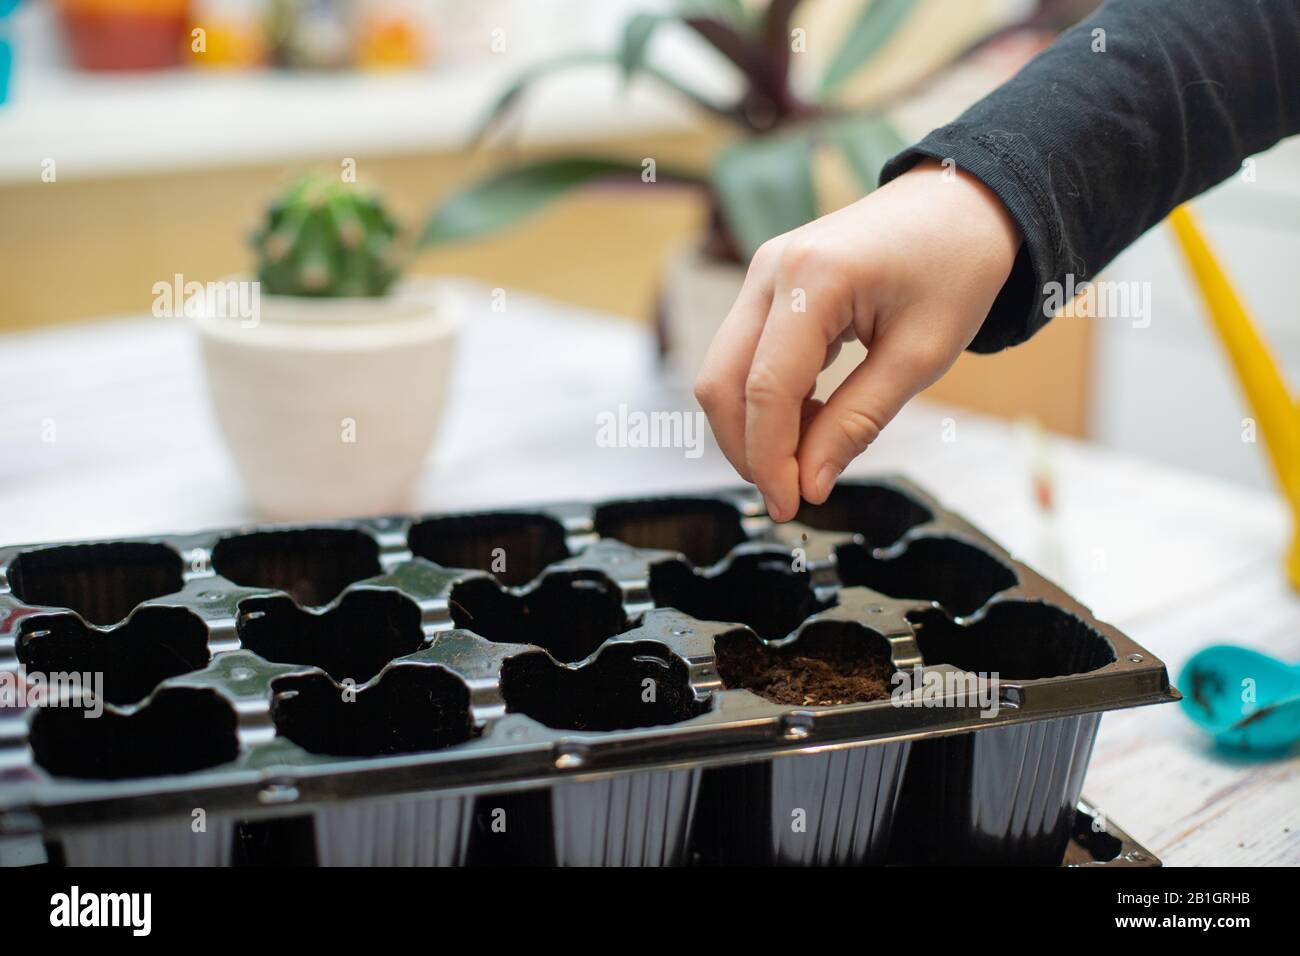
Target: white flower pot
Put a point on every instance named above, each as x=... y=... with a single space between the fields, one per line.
x=329 y=406
x=698 y=292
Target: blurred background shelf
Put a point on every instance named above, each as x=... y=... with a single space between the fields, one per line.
x=111 y=124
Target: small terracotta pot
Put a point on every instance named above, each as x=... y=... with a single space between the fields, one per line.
x=130 y=35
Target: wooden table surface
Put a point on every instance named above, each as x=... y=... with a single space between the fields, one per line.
x=105 y=429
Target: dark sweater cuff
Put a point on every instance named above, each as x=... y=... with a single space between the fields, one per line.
x=1018 y=311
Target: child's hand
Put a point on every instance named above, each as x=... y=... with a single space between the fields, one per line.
x=911 y=271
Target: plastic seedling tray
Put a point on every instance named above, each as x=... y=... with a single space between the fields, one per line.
x=648 y=682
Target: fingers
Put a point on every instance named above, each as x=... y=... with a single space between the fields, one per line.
x=893 y=372
x=872 y=267
x=791 y=352
x=720 y=386
x=761 y=368
x=811 y=407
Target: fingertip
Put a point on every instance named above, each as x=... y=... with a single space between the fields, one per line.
x=826 y=478
x=818 y=482
x=778 y=508
x=778 y=483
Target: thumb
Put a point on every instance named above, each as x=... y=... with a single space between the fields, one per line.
x=855 y=413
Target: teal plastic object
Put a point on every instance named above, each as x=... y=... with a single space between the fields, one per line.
x=1245 y=699
x=6 y=64
x=6 y=49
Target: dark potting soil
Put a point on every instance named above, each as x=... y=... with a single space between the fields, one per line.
x=828 y=676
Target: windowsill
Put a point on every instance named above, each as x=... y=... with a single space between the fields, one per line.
x=95 y=126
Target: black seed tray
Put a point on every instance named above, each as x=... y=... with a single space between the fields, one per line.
x=1097 y=841
x=647 y=682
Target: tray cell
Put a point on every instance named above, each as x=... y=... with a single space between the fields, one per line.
x=515 y=547
x=827 y=663
x=134 y=657
x=703 y=529
x=960 y=577
x=410 y=708
x=879 y=513
x=1017 y=640
x=761 y=591
x=312 y=565
x=178 y=730
x=569 y=614
x=625 y=685
x=355 y=639
x=101 y=582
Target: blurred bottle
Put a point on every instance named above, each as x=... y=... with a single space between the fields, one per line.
x=228 y=34
x=124 y=34
x=474 y=32
x=393 y=34
x=310 y=34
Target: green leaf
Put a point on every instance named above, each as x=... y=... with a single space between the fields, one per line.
x=765 y=187
x=867 y=142
x=727 y=17
x=876 y=24
x=512 y=196
x=636 y=39
x=732 y=10
x=511 y=94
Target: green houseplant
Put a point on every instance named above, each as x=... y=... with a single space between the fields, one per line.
x=761 y=183
x=330 y=399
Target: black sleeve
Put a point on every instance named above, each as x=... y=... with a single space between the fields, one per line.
x=1102 y=134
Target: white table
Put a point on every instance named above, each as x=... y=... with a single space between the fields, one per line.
x=1176 y=560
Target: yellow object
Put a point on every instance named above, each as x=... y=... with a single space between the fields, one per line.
x=228 y=44
x=1276 y=412
x=389 y=43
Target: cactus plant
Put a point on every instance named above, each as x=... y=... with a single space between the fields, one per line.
x=323 y=237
